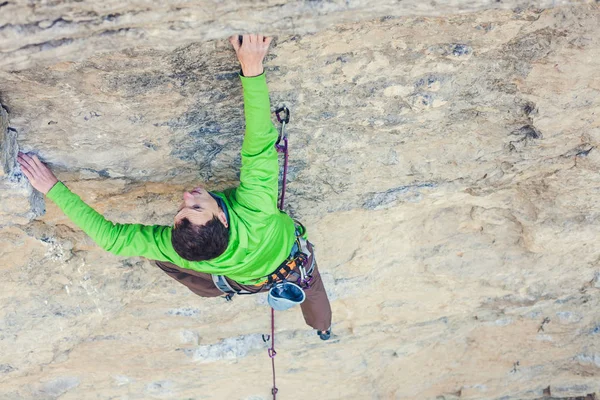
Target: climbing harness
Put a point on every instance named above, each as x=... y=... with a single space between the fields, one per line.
x=287 y=283
x=300 y=263
x=224 y=286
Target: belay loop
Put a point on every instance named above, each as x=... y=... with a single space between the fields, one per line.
x=283 y=116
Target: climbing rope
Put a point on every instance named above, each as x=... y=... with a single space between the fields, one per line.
x=283 y=116
x=273 y=353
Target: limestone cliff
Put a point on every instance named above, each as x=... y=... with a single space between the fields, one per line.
x=444 y=157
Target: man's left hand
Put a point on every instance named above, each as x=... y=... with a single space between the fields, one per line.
x=251 y=52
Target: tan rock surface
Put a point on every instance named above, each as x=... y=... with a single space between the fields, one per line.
x=446 y=166
x=34 y=32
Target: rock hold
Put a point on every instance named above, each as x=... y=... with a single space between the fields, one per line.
x=13 y=184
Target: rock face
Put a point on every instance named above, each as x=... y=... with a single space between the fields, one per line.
x=445 y=163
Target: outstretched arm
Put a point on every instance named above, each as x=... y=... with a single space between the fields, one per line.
x=260 y=169
x=153 y=242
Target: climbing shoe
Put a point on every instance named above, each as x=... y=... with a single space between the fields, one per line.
x=324 y=335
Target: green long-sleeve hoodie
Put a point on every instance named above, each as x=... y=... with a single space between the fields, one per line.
x=260 y=236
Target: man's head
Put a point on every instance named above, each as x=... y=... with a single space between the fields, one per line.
x=201 y=231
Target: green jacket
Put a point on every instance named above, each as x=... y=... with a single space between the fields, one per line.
x=260 y=236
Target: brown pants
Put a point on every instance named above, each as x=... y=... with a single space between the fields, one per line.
x=316 y=308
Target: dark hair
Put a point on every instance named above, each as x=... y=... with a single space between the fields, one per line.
x=200 y=242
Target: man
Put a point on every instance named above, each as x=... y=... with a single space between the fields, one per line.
x=231 y=242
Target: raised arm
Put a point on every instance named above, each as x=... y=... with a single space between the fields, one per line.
x=260 y=169
x=152 y=242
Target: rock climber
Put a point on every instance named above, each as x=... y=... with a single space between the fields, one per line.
x=221 y=243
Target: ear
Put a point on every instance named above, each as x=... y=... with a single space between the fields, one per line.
x=223 y=218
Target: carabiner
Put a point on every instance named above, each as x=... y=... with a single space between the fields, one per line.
x=286 y=115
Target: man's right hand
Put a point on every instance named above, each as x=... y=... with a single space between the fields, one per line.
x=251 y=52
x=40 y=176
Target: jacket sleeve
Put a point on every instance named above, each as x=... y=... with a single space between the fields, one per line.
x=259 y=174
x=153 y=242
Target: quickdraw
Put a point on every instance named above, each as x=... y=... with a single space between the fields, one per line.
x=283 y=116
